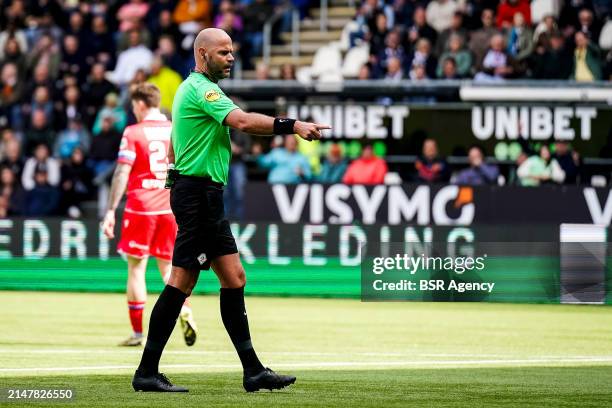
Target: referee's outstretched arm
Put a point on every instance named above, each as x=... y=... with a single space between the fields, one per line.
x=258 y=124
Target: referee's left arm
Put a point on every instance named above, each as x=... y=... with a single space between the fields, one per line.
x=258 y=124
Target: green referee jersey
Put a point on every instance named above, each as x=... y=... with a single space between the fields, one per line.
x=200 y=140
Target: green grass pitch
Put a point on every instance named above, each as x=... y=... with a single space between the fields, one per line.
x=344 y=353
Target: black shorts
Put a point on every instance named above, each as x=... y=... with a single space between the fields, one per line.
x=203 y=233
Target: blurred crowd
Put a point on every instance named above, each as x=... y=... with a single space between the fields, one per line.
x=66 y=67
x=487 y=40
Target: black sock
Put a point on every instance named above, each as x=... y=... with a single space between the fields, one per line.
x=162 y=322
x=233 y=314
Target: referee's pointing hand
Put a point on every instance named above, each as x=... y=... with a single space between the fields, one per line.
x=309 y=131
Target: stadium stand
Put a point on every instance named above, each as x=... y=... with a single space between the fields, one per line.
x=66 y=66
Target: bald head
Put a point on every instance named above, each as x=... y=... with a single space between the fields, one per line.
x=212 y=50
x=210 y=37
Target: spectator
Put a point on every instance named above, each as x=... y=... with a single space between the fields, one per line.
x=520 y=39
x=479 y=173
x=420 y=29
x=11 y=155
x=496 y=64
x=334 y=166
x=95 y=90
x=77 y=28
x=551 y=60
x=286 y=164
x=187 y=11
x=102 y=45
x=569 y=160
x=365 y=72
x=418 y=73
x=588 y=25
x=461 y=57
x=378 y=35
x=131 y=13
x=230 y=22
x=449 y=69
x=12 y=197
x=41 y=78
x=287 y=72
x=76 y=184
x=237 y=177
x=136 y=57
x=11 y=92
x=46 y=52
x=456 y=29
x=481 y=38
x=255 y=16
x=39 y=132
x=508 y=8
x=545 y=29
x=422 y=57
x=41 y=100
x=166 y=80
x=394 y=70
x=166 y=48
x=13 y=53
x=367 y=169
x=586 y=65
x=40 y=159
x=74 y=136
x=111 y=107
x=165 y=26
x=440 y=14
x=71 y=108
x=538 y=169
x=431 y=168
x=43 y=198
x=262 y=72
x=403 y=11
x=73 y=59
x=105 y=146
x=12 y=32
x=393 y=49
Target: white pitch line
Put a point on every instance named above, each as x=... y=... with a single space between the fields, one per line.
x=330 y=364
x=280 y=353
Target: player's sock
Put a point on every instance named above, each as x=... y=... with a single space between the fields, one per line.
x=234 y=316
x=136 y=309
x=163 y=318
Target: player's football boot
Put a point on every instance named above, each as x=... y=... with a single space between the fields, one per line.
x=266 y=379
x=132 y=341
x=188 y=326
x=154 y=383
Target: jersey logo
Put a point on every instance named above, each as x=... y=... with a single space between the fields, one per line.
x=211 y=95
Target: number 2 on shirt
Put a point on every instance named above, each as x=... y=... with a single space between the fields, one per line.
x=158 y=156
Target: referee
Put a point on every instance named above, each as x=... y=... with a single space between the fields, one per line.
x=201 y=151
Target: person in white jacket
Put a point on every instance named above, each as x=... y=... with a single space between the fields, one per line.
x=540 y=169
x=41 y=156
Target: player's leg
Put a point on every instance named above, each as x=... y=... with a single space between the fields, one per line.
x=136 y=235
x=161 y=324
x=232 y=277
x=186 y=319
x=136 y=297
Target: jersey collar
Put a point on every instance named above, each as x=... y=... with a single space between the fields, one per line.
x=155 y=114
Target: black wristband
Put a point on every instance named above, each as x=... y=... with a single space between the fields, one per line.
x=283 y=126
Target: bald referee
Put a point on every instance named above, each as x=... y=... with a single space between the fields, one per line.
x=200 y=151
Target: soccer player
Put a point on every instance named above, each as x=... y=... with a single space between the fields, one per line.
x=149 y=228
x=201 y=115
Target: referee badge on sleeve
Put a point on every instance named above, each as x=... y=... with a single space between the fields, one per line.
x=211 y=95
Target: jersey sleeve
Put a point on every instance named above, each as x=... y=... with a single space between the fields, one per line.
x=215 y=103
x=127 y=148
